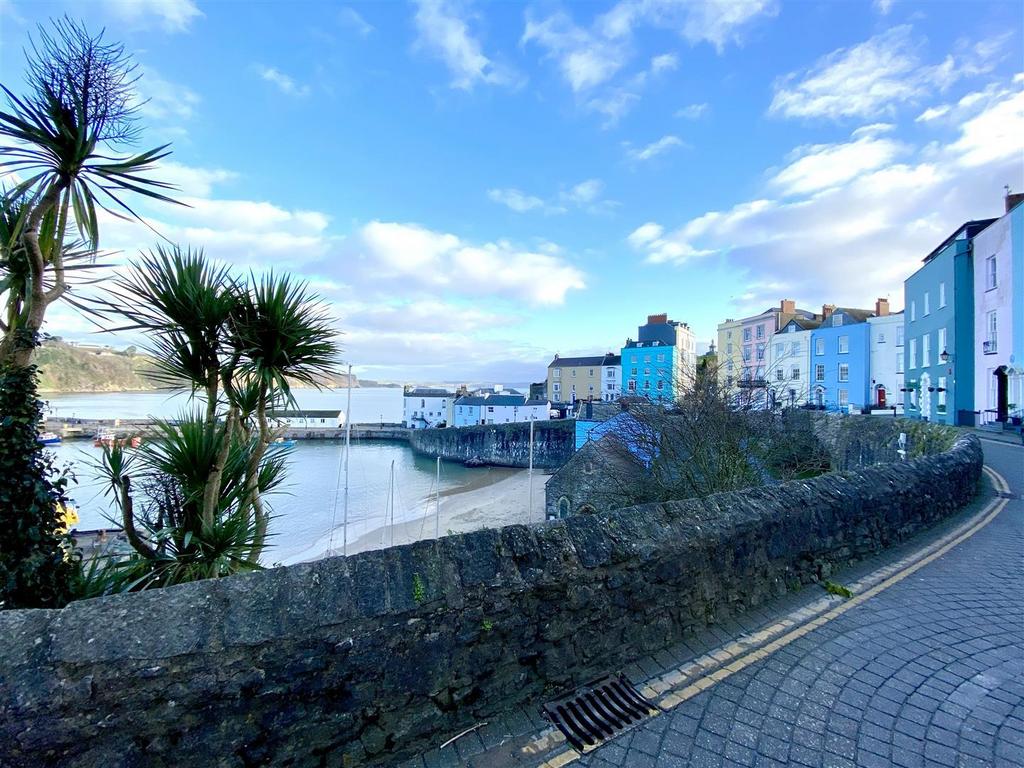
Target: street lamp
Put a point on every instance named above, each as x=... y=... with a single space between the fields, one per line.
x=945 y=357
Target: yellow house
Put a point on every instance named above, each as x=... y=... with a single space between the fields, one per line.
x=584 y=378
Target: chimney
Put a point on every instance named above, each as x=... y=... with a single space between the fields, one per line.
x=1013 y=199
x=787 y=307
x=827 y=310
x=882 y=307
x=661 y=319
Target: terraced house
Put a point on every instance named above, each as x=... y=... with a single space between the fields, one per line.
x=584 y=378
x=938 y=326
x=839 y=359
x=662 y=362
x=789 y=362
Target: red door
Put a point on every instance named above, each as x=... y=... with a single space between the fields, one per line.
x=881 y=397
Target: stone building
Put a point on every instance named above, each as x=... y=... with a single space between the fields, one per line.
x=596 y=479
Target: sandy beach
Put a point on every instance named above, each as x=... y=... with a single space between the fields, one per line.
x=497 y=496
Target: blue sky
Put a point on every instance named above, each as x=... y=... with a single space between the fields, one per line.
x=475 y=187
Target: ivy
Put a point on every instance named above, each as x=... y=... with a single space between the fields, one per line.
x=36 y=564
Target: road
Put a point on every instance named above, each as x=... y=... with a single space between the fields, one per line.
x=928 y=672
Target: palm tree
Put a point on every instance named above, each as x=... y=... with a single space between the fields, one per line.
x=192 y=501
x=57 y=150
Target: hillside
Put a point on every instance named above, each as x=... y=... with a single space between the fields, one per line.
x=88 y=368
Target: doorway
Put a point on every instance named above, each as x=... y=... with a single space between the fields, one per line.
x=881 y=396
x=1002 y=394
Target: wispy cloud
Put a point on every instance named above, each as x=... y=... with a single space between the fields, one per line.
x=352 y=19
x=445 y=34
x=652 y=150
x=693 y=111
x=515 y=200
x=284 y=83
x=585 y=196
x=170 y=15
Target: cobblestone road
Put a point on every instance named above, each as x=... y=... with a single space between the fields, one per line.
x=929 y=672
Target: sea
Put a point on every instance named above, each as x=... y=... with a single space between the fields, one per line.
x=308 y=512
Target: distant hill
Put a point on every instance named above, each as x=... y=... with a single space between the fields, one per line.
x=66 y=367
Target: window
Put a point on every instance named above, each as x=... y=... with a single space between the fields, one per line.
x=591 y=372
x=844 y=371
x=819 y=346
x=794 y=373
x=942 y=295
x=899 y=362
x=760 y=331
x=631 y=386
x=746 y=354
x=728 y=348
x=661 y=357
x=844 y=345
x=940 y=345
x=927 y=311
x=913 y=354
x=926 y=350
x=837 y=320
x=794 y=348
x=574 y=373
x=647 y=358
x=881 y=337
x=647 y=385
x=779 y=375
x=555 y=387
x=760 y=351
x=779 y=349
x=913 y=311
x=844 y=398
x=990 y=273
x=647 y=371
x=899 y=335
x=661 y=384
x=423 y=404
x=490 y=409
x=557 y=373
x=746 y=334
x=729 y=366
x=728 y=334
x=941 y=391
x=632 y=371
x=819 y=372
x=610 y=373
x=990 y=346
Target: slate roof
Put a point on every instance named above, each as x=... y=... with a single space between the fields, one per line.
x=305 y=414
x=584 y=362
x=806 y=323
x=428 y=392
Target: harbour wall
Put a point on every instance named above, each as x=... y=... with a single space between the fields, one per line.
x=502 y=445
x=363 y=660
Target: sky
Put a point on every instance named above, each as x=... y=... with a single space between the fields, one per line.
x=474 y=187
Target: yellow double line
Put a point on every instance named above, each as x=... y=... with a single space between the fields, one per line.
x=734 y=657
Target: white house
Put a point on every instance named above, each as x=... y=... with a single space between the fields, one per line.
x=788 y=372
x=308 y=419
x=885 y=359
x=425 y=408
x=999 y=315
x=499 y=408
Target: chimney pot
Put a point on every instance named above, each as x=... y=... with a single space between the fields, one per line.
x=787 y=307
x=661 y=319
x=882 y=307
x=827 y=310
x=1012 y=199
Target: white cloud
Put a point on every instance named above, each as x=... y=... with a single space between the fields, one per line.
x=191 y=181
x=613 y=105
x=284 y=83
x=932 y=113
x=821 y=166
x=352 y=19
x=446 y=35
x=512 y=198
x=877 y=76
x=585 y=59
x=693 y=111
x=854 y=232
x=883 y=6
x=171 y=15
x=585 y=192
x=666 y=62
x=721 y=21
x=655 y=148
x=415 y=255
x=164 y=101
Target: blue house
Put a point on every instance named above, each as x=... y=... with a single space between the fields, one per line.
x=840 y=362
x=938 y=326
x=661 y=360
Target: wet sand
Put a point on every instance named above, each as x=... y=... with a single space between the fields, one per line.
x=496 y=497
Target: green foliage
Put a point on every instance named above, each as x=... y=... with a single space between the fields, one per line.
x=927 y=438
x=419 y=590
x=487 y=625
x=36 y=569
x=836 y=589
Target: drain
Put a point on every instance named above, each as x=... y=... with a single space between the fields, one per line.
x=598 y=711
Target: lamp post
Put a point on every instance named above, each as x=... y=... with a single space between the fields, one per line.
x=945 y=357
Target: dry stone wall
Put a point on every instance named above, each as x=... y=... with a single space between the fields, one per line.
x=361 y=660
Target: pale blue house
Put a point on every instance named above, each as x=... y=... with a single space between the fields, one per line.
x=840 y=362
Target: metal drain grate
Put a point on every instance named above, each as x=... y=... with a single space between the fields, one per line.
x=598 y=711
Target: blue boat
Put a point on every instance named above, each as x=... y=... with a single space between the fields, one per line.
x=282 y=443
x=48 y=438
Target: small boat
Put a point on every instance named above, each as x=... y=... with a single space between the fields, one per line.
x=109 y=439
x=282 y=443
x=49 y=438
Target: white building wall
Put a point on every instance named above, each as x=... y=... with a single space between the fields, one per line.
x=465 y=415
x=996 y=240
x=432 y=410
x=795 y=354
x=885 y=359
x=611 y=376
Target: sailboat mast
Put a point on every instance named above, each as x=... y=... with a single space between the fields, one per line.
x=437 y=501
x=392 y=502
x=529 y=514
x=348 y=445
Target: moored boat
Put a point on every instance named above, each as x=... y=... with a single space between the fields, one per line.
x=49 y=438
x=109 y=439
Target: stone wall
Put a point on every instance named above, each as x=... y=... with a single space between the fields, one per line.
x=361 y=660
x=502 y=445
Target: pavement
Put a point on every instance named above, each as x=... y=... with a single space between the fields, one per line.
x=924 y=666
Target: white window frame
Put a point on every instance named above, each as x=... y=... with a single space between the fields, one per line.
x=912 y=363
x=844 y=372
x=940 y=342
x=819 y=372
x=991 y=275
x=926 y=350
x=844 y=345
x=927 y=309
x=843 y=398
x=942 y=295
x=819 y=347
